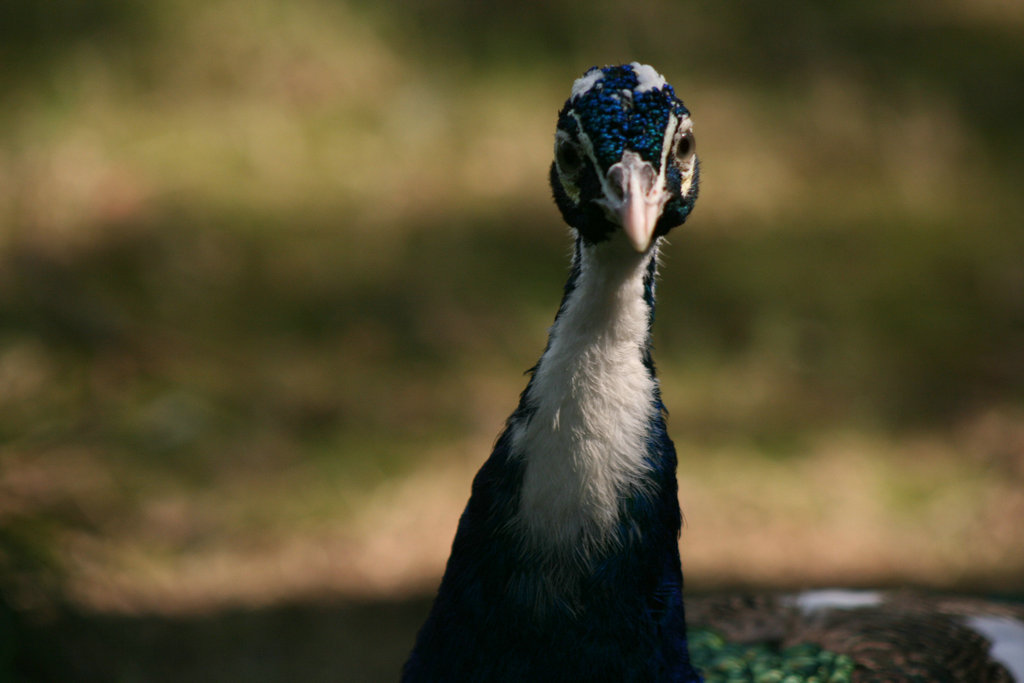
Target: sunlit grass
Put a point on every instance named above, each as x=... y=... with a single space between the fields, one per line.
x=854 y=508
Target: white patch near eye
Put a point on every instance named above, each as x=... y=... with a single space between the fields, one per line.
x=584 y=83
x=668 y=141
x=588 y=153
x=648 y=77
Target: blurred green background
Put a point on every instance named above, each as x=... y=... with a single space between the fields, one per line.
x=271 y=272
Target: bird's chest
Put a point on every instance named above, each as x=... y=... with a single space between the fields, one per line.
x=584 y=450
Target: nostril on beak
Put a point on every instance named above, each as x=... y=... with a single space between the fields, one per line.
x=633 y=198
x=618 y=180
x=631 y=170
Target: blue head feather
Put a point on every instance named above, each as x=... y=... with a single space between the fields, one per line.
x=617 y=109
x=622 y=113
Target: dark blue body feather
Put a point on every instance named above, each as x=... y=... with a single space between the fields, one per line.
x=617 y=617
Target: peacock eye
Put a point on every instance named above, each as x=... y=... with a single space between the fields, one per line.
x=685 y=147
x=568 y=158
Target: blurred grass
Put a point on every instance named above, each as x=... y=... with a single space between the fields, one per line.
x=270 y=274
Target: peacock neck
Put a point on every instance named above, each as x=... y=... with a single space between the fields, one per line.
x=592 y=401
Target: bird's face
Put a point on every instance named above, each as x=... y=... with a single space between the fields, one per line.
x=624 y=156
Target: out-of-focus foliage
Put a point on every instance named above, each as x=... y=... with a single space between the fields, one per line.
x=268 y=267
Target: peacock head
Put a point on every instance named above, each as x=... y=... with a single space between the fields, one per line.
x=624 y=156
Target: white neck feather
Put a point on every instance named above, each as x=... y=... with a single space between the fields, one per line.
x=593 y=401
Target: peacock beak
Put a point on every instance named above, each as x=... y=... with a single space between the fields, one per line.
x=634 y=198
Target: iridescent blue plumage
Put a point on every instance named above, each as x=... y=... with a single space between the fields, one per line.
x=565 y=565
x=612 y=111
x=618 y=113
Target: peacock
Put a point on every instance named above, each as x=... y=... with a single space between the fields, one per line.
x=565 y=564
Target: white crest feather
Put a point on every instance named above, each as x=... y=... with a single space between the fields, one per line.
x=585 y=82
x=649 y=78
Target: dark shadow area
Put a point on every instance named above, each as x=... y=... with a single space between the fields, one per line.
x=356 y=641
x=894 y=326
x=333 y=640
x=34 y=36
x=215 y=315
